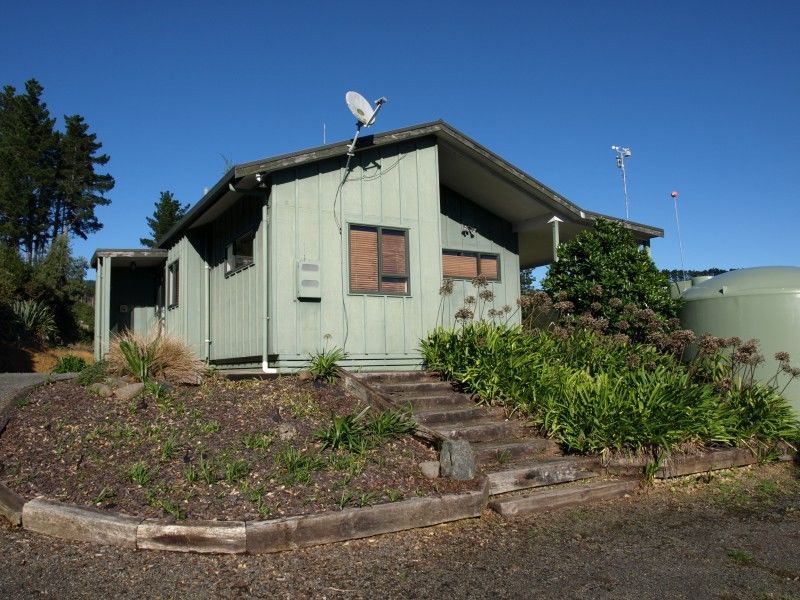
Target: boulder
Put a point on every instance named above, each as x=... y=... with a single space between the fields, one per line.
x=100 y=389
x=430 y=468
x=129 y=392
x=457 y=460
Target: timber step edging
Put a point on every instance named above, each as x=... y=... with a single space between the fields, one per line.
x=480 y=431
x=494 y=453
x=541 y=473
x=560 y=497
x=441 y=417
x=11 y=505
x=86 y=524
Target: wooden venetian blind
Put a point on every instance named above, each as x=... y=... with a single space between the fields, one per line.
x=457 y=264
x=363 y=259
x=394 y=271
x=489 y=267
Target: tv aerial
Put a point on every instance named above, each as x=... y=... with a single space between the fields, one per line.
x=364 y=113
x=622 y=154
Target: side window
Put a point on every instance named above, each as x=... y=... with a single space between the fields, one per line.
x=378 y=260
x=458 y=264
x=172 y=284
x=239 y=253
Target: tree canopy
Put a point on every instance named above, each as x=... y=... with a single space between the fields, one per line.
x=168 y=211
x=48 y=182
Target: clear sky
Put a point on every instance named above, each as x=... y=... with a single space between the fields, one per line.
x=706 y=94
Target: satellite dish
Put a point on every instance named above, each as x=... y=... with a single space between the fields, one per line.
x=361 y=109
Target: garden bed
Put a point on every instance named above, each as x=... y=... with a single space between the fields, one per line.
x=244 y=450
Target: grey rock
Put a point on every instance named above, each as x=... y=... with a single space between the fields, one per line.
x=430 y=468
x=100 y=389
x=457 y=460
x=116 y=382
x=286 y=432
x=130 y=391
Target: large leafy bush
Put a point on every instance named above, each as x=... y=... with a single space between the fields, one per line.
x=605 y=273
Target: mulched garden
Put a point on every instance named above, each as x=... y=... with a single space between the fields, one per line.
x=227 y=450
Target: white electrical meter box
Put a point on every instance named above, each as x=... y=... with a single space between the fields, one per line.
x=308 y=281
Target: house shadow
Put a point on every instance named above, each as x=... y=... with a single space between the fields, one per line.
x=14 y=359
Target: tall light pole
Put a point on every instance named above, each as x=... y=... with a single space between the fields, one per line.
x=674 y=195
x=622 y=154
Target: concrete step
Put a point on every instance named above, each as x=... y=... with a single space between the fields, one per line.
x=440 y=417
x=430 y=402
x=417 y=388
x=539 y=473
x=481 y=431
x=504 y=451
x=562 y=496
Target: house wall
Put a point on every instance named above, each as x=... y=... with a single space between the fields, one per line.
x=491 y=235
x=394 y=185
x=236 y=298
x=186 y=321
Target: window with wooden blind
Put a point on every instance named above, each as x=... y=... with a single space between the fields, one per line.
x=172 y=284
x=458 y=264
x=378 y=260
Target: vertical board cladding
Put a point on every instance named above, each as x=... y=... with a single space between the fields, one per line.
x=185 y=321
x=488 y=234
x=396 y=187
x=236 y=299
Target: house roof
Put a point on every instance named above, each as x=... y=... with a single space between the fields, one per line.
x=142 y=257
x=465 y=166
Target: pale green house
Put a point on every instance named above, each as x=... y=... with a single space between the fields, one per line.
x=290 y=254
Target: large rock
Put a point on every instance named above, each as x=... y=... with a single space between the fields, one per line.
x=100 y=389
x=129 y=392
x=430 y=468
x=457 y=460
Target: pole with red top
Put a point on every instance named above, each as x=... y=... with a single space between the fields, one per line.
x=674 y=195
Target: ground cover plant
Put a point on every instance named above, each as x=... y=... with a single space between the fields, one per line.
x=596 y=392
x=250 y=449
x=153 y=356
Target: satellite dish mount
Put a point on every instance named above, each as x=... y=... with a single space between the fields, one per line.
x=363 y=112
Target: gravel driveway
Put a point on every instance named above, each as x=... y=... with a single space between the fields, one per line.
x=724 y=536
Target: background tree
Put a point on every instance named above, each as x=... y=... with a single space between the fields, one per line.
x=80 y=188
x=28 y=169
x=675 y=275
x=605 y=273
x=168 y=211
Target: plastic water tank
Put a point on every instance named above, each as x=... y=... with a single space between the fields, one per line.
x=761 y=303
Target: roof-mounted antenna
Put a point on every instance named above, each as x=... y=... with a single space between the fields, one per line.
x=622 y=154
x=363 y=111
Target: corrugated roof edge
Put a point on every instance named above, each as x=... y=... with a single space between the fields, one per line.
x=439 y=128
x=127 y=253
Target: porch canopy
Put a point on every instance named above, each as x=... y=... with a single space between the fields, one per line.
x=464 y=166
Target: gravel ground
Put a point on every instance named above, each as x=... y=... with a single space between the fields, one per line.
x=723 y=536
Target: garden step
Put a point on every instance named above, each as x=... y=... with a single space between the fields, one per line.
x=376 y=378
x=542 y=473
x=441 y=417
x=425 y=386
x=481 y=431
x=490 y=453
x=562 y=496
x=430 y=402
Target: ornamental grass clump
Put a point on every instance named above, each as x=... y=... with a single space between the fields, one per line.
x=153 y=356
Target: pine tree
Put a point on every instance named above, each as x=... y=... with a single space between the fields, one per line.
x=168 y=211
x=28 y=169
x=80 y=188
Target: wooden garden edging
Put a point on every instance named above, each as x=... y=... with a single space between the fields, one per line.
x=85 y=524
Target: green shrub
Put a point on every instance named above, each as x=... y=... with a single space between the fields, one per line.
x=603 y=272
x=322 y=365
x=93 y=373
x=357 y=432
x=69 y=363
x=594 y=392
x=35 y=319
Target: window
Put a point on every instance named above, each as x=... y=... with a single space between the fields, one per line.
x=378 y=260
x=172 y=285
x=240 y=253
x=466 y=265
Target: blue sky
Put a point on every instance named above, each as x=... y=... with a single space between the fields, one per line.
x=706 y=94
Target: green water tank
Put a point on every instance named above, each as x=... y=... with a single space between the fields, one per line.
x=761 y=303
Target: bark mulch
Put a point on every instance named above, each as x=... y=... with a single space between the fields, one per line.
x=227 y=450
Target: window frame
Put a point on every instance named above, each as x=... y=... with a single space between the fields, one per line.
x=173 y=284
x=478 y=256
x=229 y=249
x=379 y=249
